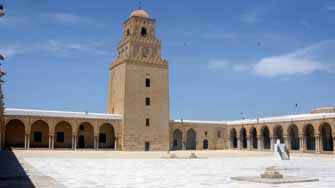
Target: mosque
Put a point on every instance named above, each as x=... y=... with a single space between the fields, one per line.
x=138 y=117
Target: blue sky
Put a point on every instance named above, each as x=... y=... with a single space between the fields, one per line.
x=258 y=58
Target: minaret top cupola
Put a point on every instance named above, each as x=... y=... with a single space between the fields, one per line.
x=139 y=42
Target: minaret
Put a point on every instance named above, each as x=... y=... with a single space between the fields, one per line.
x=139 y=86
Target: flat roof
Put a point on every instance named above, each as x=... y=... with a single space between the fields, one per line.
x=199 y=122
x=69 y=114
x=287 y=118
x=66 y=114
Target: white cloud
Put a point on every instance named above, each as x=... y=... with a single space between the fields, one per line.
x=317 y=57
x=284 y=65
x=69 y=48
x=59 y=48
x=241 y=67
x=67 y=18
x=218 y=64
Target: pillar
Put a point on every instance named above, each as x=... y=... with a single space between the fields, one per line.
x=28 y=141
x=25 y=141
x=249 y=142
x=95 y=142
x=271 y=143
x=301 y=143
x=333 y=143
x=286 y=141
x=72 y=142
x=317 y=143
x=52 y=141
x=259 y=147
x=115 y=143
x=75 y=142
x=49 y=141
x=238 y=142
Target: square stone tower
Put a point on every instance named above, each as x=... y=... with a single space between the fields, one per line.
x=139 y=86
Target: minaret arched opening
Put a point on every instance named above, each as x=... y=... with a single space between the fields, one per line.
x=144 y=32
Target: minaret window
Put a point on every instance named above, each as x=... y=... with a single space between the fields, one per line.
x=147 y=82
x=147 y=101
x=128 y=32
x=144 y=32
x=147 y=122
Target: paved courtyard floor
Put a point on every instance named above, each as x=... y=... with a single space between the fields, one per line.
x=140 y=169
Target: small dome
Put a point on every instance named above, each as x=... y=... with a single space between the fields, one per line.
x=139 y=13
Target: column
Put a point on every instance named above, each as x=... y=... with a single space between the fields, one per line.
x=97 y=142
x=238 y=142
x=49 y=141
x=333 y=143
x=271 y=143
x=317 y=143
x=28 y=141
x=115 y=143
x=259 y=147
x=75 y=142
x=301 y=145
x=72 y=142
x=52 y=141
x=25 y=141
x=249 y=142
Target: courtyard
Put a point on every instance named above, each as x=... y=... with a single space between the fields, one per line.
x=89 y=168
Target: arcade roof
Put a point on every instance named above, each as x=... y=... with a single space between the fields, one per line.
x=49 y=113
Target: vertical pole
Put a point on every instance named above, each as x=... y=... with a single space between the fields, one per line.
x=259 y=147
x=271 y=143
x=238 y=143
